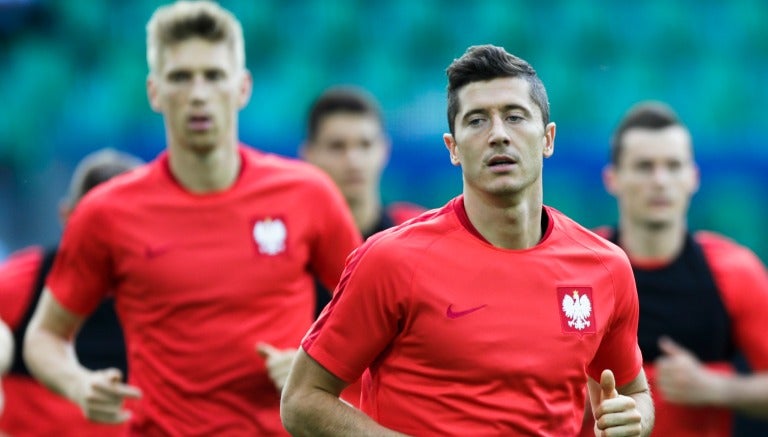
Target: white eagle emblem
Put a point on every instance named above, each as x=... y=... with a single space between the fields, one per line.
x=270 y=235
x=577 y=309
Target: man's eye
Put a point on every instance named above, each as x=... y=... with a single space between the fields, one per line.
x=514 y=118
x=178 y=76
x=474 y=122
x=644 y=166
x=675 y=166
x=214 y=75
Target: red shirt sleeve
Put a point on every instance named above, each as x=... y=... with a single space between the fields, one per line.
x=621 y=334
x=82 y=272
x=17 y=278
x=743 y=283
x=367 y=308
x=337 y=234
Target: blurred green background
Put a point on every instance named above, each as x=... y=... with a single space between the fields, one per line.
x=72 y=79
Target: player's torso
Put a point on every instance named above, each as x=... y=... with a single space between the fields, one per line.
x=506 y=334
x=242 y=251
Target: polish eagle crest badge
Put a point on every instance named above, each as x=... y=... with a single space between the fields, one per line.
x=270 y=235
x=576 y=309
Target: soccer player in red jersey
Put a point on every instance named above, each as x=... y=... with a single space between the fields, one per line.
x=346 y=139
x=209 y=250
x=488 y=315
x=31 y=408
x=703 y=297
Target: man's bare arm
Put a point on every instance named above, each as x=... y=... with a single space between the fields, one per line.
x=310 y=404
x=683 y=379
x=50 y=356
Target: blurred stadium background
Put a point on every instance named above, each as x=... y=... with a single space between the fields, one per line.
x=72 y=77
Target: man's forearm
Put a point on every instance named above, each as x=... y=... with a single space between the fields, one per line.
x=745 y=393
x=644 y=405
x=52 y=361
x=322 y=414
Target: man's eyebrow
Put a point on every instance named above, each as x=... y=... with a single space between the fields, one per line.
x=473 y=112
x=505 y=108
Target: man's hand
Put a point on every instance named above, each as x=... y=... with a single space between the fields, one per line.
x=101 y=395
x=682 y=378
x=278 y=362
x=615 y=415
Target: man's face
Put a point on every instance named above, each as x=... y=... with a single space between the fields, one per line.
x=500 y=140
x=655 y=176
x=353 y=150
x=199 y=90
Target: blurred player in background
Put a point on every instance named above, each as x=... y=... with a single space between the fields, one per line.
x=32 y=409
x=346 y=138
x=209 y=250
x=481 y=317
x=703 y=297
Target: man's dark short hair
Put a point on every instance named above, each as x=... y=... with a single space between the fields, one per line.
x=341 y=99
x=488 y=62
x=644 y=115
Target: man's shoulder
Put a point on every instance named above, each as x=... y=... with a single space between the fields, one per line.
x=418 y=232
x=581 y=238
x=722 y=250
x=283 y=169
x=121 y=188
x=400 y=212
x=267 y=161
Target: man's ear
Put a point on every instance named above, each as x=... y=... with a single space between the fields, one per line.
x=549 y=139
x=452 y=147
x=246 y=88
x=152 y=94
x=609 y=179
x=696 y=179
x=304 y=150
x=65 y=209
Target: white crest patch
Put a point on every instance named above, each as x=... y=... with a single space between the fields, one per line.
x=270 y=235
x=577 y=309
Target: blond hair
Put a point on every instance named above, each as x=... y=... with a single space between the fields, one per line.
x=183 y=20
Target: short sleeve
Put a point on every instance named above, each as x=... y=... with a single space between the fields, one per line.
x=82 y=272
x=743 y=283
x=365 y=314
x=336 y=234
x=618 y=350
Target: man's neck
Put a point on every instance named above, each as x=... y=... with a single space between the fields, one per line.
x=652 y=243
x=205 y=172
x=366 y=212
x=509 y=223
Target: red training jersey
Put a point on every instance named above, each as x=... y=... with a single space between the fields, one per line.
x=464 y=338
x=742 y=283
x=200 y=279
x=30 y=408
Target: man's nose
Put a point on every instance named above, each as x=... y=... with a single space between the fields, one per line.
x=498 y=134
x=660 y=174
x=200 y=89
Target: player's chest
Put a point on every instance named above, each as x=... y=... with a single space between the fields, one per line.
x=187 y=247
x=508 y=318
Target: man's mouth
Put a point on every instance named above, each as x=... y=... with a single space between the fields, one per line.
x=502 y=163
x=199 y=122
